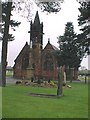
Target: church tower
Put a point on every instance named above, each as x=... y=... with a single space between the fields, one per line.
x=36 y=32
x=36 y=43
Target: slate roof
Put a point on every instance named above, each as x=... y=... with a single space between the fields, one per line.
x=21 y=52
x=54 y=47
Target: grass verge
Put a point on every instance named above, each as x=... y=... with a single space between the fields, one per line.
x=17 y=103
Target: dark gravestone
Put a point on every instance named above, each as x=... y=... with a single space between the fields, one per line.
x=31 y=79
x=39 y=81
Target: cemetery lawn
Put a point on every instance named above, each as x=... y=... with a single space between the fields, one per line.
x=0 y=103
x=17 y=103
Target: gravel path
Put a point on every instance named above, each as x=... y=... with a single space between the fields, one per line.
x=11 y=80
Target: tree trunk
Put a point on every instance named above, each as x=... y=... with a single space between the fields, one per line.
x=60 y=82
x=5 y=43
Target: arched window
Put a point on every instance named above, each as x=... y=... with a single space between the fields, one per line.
x=25 y=61
x=48 y=62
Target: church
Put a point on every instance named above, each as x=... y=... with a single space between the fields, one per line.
x=34 y=61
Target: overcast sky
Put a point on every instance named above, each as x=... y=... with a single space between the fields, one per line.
x=54 y=25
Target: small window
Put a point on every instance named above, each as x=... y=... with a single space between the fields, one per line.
x=48 y=65
x=25 y=61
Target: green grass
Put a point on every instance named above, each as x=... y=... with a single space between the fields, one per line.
x=17 y=103
x=9 y=73
x=0 y=103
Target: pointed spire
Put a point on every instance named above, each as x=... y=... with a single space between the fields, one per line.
x=37 y=20
x=48 y=40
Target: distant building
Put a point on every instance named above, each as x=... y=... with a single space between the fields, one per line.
x=33 y=61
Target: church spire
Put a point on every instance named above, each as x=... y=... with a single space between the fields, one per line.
x=37 y=20
x=36 y=31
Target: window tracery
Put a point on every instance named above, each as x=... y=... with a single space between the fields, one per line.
x=48 y=62
x=25 y=61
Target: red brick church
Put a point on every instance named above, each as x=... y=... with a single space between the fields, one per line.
x=33 y=61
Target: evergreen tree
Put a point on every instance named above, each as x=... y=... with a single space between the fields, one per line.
x=6 y=14
x=70 y=53
x=84 y=22
x=12 y=22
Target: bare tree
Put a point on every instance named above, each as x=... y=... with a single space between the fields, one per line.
x=25 y=7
